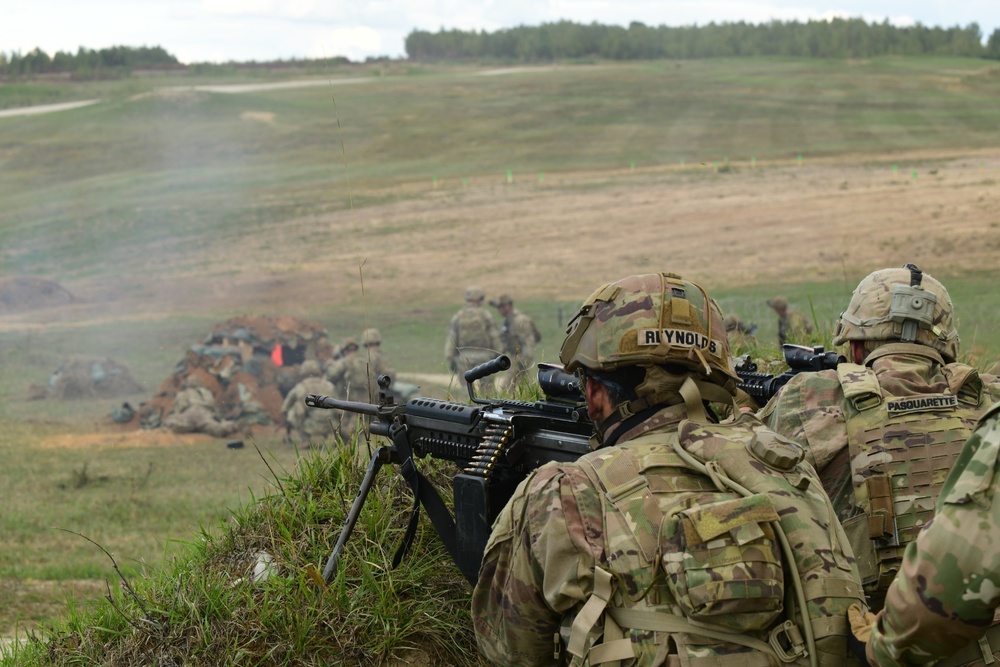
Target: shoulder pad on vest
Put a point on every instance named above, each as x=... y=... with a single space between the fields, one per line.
x=964 y=382
x=860 y=385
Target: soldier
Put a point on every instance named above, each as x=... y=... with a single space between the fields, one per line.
x=360 y=377
x=884 y=431
x=302 y=424
x=518 y=335
x=670 y=543
x=472 y=337
x=792 y=326
x=739 y=333
x=194 y=411
x=337 y=368
x=948 y=590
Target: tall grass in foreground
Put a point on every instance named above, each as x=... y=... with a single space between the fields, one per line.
x=205 y=607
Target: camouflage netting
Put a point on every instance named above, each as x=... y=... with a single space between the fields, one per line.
x=19 y=293
x=88 y=378
x=238 y=363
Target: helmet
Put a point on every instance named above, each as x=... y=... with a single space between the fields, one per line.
x=349 y=345
x=650 y=320
x=371 y=337
x=474 y=294
x=778 y=303
x=900 y=305
x=311 y=368
x=732 y=322
x=502 y=300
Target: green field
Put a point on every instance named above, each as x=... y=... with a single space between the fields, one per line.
x=170 y=209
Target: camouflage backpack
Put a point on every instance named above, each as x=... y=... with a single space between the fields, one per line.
x=739 y=530
x=901 y=450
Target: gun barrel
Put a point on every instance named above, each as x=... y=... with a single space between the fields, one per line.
x=329 y=403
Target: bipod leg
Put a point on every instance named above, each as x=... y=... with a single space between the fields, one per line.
x=380 y=457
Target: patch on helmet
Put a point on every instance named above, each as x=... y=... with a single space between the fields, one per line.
x=677 y=338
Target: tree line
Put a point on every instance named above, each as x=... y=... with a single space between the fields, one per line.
x=87 y=63
x=838 y=38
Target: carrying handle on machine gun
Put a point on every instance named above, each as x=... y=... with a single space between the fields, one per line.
x=490 y=367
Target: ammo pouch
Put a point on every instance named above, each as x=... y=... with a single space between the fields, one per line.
x=727 y=569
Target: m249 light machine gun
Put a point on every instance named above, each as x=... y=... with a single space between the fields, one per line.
x=494 y=442
x=800 y=359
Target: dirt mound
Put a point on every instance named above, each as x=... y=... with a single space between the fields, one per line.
x=19 y=293
x=249 y=363
x=100 y=377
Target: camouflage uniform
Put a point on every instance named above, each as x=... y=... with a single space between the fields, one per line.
x=662 y=546
x=472 y=337
x=792 y=326
x=360 y=381
x=948 y=590
x=194 y=411
x=309 y=425
x=884 y=435
x=518 y=337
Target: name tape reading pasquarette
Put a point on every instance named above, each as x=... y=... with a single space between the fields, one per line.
x=897 y=406
x=678 y=338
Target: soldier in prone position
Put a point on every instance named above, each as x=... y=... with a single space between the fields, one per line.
x=667 y=544
x=884 y=431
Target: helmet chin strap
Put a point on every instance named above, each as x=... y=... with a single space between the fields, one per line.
x=693 y=393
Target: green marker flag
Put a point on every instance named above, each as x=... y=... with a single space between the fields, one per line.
x=541 y=176
x=465 y=182
x=895 y=168
x=753 y=162
x=435 y=181
x=682 y=162
x=800 y=159
x=631 y=165
x=510 y=176
x=914 y=173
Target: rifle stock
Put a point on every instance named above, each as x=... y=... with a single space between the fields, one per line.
x=495 y=443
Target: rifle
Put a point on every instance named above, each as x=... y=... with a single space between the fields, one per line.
x=800 y=359
x=494 y=442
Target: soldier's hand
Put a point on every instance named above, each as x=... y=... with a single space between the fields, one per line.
x=861 y=621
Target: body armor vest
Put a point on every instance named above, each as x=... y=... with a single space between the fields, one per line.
x=901 y=450
x=722 y=539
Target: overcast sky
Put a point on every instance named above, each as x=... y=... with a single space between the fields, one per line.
x=242 y=30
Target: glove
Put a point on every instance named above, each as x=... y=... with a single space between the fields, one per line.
x=861 y=622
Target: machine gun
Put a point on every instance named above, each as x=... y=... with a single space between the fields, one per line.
x=494 y=442
x=800 y=358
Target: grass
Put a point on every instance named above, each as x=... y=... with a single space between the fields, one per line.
x=204 y=606
x=158 y=172
x=146 y=190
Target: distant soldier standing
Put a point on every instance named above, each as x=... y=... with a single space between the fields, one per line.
x=303 y=425
x=884 y=431
x=472 y=337
x=361 y=375
x=792 y=326
x=518 y=335
x=336 y=370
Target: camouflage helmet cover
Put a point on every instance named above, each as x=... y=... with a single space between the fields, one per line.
x=371 y=336
x=474 y=294
x=650 y=320
x=900 y=305
x=311 y=368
